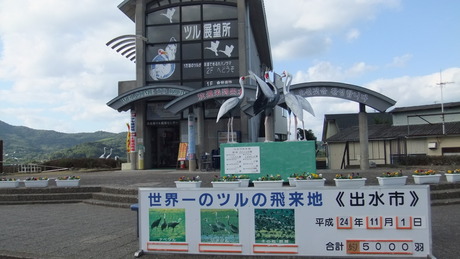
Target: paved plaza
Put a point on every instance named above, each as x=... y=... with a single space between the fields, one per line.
x=81 y=230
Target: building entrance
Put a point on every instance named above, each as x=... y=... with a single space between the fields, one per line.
x=165 y=146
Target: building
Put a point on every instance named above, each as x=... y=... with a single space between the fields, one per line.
x=189 y=56
x=404 y=131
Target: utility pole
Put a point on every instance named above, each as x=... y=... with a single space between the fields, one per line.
x=441 y=84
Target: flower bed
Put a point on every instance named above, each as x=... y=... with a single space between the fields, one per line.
x=269 y=181
x=9 y=183
x=226 y=181
x=244 y=180
x=309 y=180
x=453 y=176
x=422 y=176
x=68 y=181
x=349 y=181
x=36 y=182
x=188 y=182
x=392 y=178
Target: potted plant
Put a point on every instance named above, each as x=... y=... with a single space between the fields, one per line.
x=422 y=176
x=188 y=182
x=269 y=181
x=9 y=183
x=292 y=178
x=308 y=180
x=68 y=181
x=36 y=182
x=392 y=178
x=244 y=180
x=226 y=181
x=349 y=181
x=453 y=175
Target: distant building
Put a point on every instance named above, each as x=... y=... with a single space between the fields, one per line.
x=404 y=131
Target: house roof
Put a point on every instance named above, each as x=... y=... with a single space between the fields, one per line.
x=387 y=132
x=347 y=120
x=425 y=107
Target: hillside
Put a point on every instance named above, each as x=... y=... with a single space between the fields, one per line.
x=23 y=144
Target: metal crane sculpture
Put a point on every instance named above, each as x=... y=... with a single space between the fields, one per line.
x=103 y=155
x=304 y=104
x=267 y=98
x=292 y=103
x=229 y=106
x=110 y=153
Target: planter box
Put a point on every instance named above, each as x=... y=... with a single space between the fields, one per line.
x=231 y=184
x=244 y=182
x=9 y=184
x=68 y=183
x=452 y=178
x=350 y=183
x=38 y=183
x=268 y=184
x=397 y=180
x=180 y=184
x=311 y=183
x=291 y=181
x=422 y=179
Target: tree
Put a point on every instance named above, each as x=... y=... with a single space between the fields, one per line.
x=308 y=134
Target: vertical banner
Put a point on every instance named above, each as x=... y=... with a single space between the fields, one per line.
x=182 y=154
x=132 y=141
x=191 y=137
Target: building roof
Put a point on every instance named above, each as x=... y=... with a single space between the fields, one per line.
x=387 y=132
x=347 y=120
x=428 y=107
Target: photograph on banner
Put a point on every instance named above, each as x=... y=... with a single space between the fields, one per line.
x=275 y=226
x=167 y=225
x=219 y=226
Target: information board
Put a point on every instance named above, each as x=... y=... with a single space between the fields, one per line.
x=269 y=158
x=329 y=221
x=242 y=160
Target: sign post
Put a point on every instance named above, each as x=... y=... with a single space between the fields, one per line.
x=331 y=222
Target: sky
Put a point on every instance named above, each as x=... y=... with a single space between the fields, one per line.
x=56 y=73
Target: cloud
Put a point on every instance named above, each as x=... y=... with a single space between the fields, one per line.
x=326 y=71
x=55 y=67
x=401 y=61
x=301 y=46
x=353 y=34
x=419 y=90
x=314 y=21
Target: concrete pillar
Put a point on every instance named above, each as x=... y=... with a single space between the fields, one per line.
x=140 y=79
x=191 y=141
x=363 y=138
x=140 y=44
x=200 y=143
x=270 y=128
x=140 y=129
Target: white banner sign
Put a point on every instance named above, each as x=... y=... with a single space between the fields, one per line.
x=369 y=221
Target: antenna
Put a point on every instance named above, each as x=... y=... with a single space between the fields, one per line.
x=441 y=84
